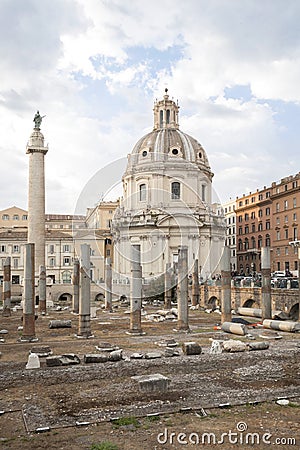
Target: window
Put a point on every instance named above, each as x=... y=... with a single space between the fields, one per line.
x=253 y=199
x=277 y=220
x=175 y=189
x=24 y=217
x=278 y=235
x=168 y=116
x=233 y=240
x=253 y=215
x=268 y=194
x=108 y=223
x=295 y=233
x=240 y=219
x=66 y=248
x=240 y=203
x=260 y=226
x=66 y=260
x=15 y=279
x=259 y=242
x=260 y=213
x=66 y=277
x=246 y=229
x=16 y=248
x=142 y=188
x=268 y=225
x=203 y=192
x=5 y=217
x=2 y=248
x=285 y=204
x=240 y=246
x=161 y=115
x=110 y=211
x=294 y=184
x=267 y=211
x=246 y=216
x=16 y=217
x=108 y=252
x=294 y=202
x=295 y=216
x=253 y=228
x=277 y=207
x=286 y=187
x=246 y=244
x=247 y=201
x=260 y=197
x=52 y=262
x=268 y=240
x=286 y=233
x=286 y=219
x=15 y=263
x=51 y=248
x=240 y=230
x=278 y=251
x=253 y=242
x=286 y=251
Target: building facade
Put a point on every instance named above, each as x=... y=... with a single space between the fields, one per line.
x=230 y=220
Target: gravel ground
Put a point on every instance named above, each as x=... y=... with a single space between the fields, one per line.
x=77 y=406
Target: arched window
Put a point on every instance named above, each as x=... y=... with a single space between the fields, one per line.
x=142 y=194
x=268 y=240
x=246 y=244
x=259 y=242
x=240 y=244
x=253 y=242
x=161 y=118
x=175 y=190
x=168 y=116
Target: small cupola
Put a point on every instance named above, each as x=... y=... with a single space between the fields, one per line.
x=165 y=113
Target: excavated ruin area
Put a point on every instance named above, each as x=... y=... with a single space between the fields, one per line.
x=77 y=406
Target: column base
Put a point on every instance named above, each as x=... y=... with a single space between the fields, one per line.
x=84 y=336
x=136 y=332
x=27 y=339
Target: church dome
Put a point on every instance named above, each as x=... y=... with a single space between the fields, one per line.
x=166 y=143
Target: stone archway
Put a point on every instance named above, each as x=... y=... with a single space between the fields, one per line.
x=294 y=312
x=65 y=297
x=213 y=302
x=99 y=297
x=250 y=303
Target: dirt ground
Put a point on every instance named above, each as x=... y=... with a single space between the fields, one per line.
x=223 y=400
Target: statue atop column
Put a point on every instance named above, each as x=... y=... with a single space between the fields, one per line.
x=38 y=120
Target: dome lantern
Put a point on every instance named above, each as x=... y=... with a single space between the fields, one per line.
x=165 y=113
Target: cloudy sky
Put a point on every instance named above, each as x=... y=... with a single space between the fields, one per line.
x=94 y=68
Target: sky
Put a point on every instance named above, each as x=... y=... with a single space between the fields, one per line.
x=95 y=67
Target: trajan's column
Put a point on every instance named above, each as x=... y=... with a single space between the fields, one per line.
x=36 y=201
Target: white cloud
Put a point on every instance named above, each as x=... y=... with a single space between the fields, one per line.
x=76 y=62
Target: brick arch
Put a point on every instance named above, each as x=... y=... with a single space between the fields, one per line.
x=64 y=296
x=213 y=302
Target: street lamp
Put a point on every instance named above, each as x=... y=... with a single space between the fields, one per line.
x=296 y=244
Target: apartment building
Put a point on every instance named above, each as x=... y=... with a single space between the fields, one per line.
x=269 y=217
x=230 y=241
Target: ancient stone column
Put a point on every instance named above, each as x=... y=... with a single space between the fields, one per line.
x=195 y=284
x=75 y=280
x=42 y=290
x=29 y=294
x=7 y=287
x=266 y=283
x=226 y=286
x=36 y=195
x=136 y=290
x=108 y=285
x=84 y=329
x=168 y=286
x=182 y=289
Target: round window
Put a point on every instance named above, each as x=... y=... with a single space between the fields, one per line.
x=175 y=151
x=144 y=153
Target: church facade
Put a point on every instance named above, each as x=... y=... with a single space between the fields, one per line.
x=167 y=201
